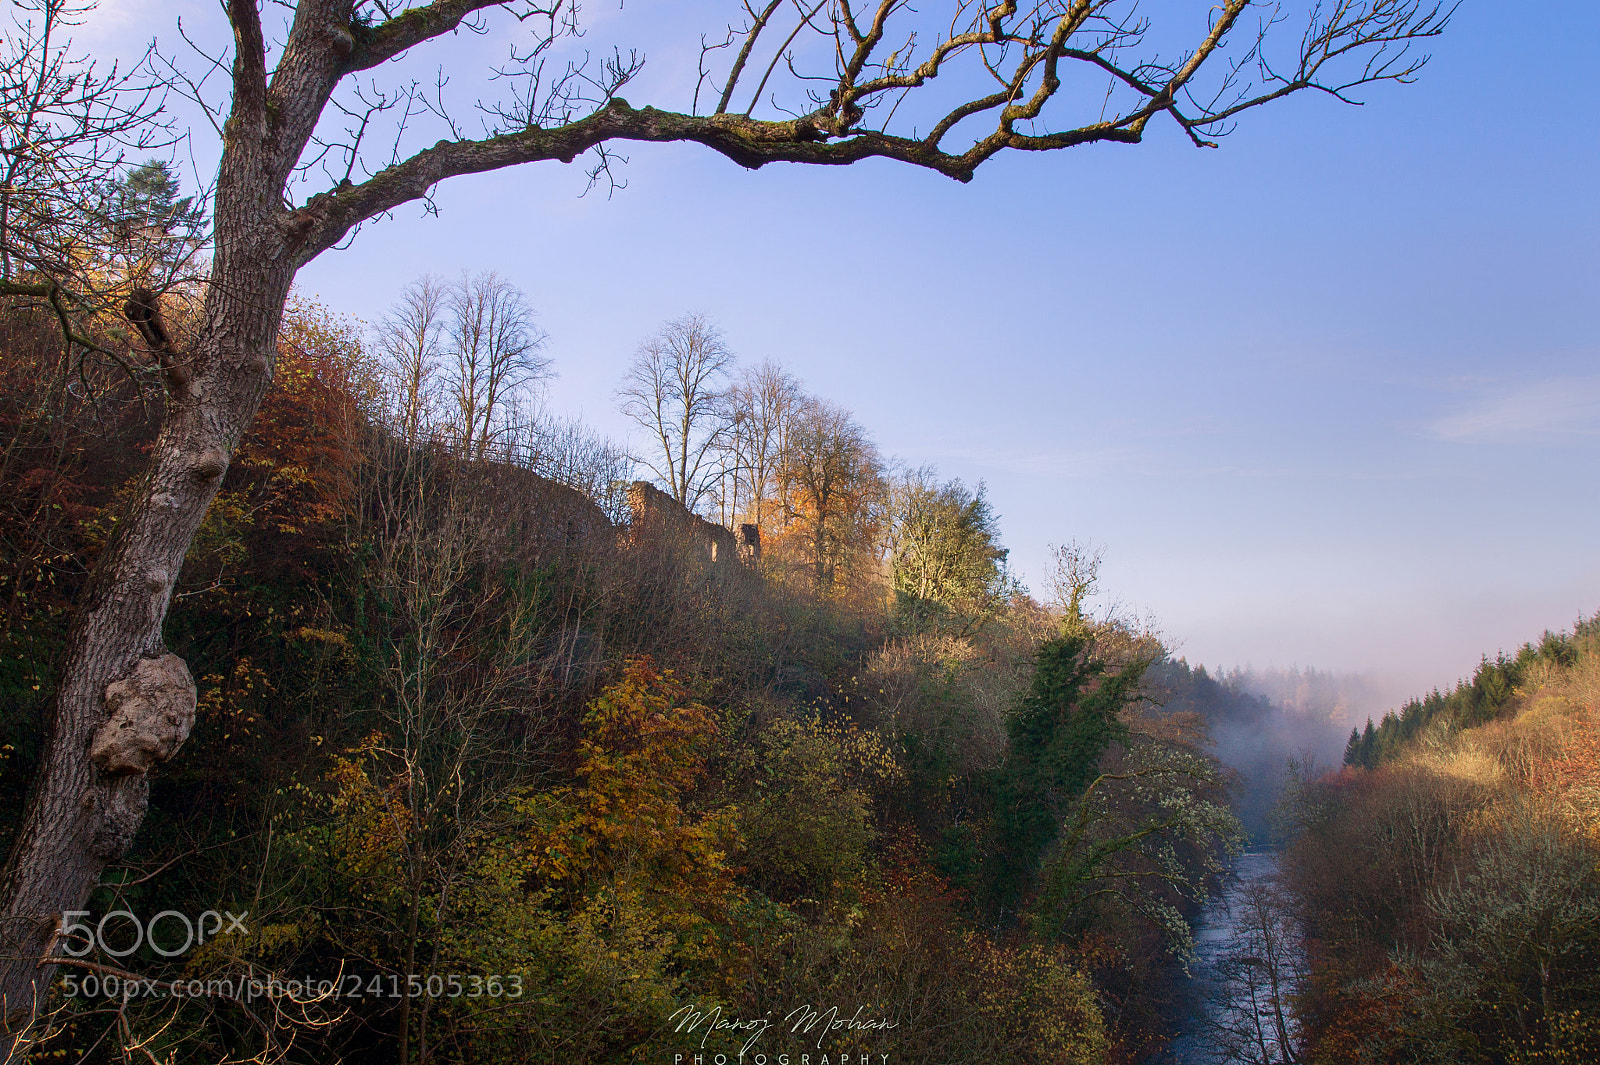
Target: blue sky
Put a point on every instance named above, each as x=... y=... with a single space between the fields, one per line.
x=1328 y=395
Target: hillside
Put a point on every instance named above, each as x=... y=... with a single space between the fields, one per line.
x=1448 y=876
x=507 y=757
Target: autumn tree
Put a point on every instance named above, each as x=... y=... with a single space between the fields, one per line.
x=296 y=466
x=674 y=391
x=455 y=636
x=602 y=891
x=831 y=480
x=304 y=163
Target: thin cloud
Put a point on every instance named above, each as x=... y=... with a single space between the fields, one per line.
x=1539 y=411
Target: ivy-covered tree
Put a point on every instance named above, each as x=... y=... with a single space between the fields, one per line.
x=1063 y=724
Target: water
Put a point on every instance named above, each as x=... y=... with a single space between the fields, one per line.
x=1244 y=945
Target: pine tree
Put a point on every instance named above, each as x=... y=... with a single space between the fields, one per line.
x=151 y=227
x=148 y=196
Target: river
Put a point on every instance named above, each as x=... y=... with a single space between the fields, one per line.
x=1235 y=1019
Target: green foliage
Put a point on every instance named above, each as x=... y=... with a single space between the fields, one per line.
x=1148 y=837
x=149 y=195
x=946 y=561
x=1470 y=703
x=1063 y=724
x=1515 y=947
x=153 y=230
x=1451 y=885
x=427 y=743
x=806 y=826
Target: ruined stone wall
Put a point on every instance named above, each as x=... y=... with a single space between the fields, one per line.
x=656 y=515
x=538 y=518
x=750 y=543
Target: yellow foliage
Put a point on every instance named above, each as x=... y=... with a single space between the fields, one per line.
x=363 y=842
x=235 y=701
x=604 y=894
x=645 y=744
x=807 y=830
x=1574 y=1039
x=1036 y=989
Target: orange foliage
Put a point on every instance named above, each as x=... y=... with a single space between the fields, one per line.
x=71 y=429
x=645 y=744
x=298 y=459
x=1574 y=778
x=830 y=485
x=1364 y=1020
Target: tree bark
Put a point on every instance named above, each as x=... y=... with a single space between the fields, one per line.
x=80 y=816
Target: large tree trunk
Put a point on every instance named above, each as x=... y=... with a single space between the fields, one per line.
x=123 y=704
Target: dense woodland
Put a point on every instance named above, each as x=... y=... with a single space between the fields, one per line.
x=780 y=729
x=500 y=742
x=527 y=744
x=1447 y=879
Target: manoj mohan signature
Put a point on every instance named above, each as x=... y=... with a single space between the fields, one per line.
x=803 y=1020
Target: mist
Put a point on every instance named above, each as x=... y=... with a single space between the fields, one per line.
x=1260 y=719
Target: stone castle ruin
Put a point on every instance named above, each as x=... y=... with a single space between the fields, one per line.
x=548 y=518
x=656 y=516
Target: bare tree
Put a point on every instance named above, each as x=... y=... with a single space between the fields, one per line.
x=460 y=353
x=673 y=391
x=571 y=453
x=761 y=405
x=1072 y=578
x=454 y=663
x=301 y=110
x=1261 y=975
x=65 y=129
x=493 y=354
x=409 y=343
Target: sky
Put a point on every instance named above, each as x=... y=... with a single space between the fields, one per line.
x=1327 y=395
